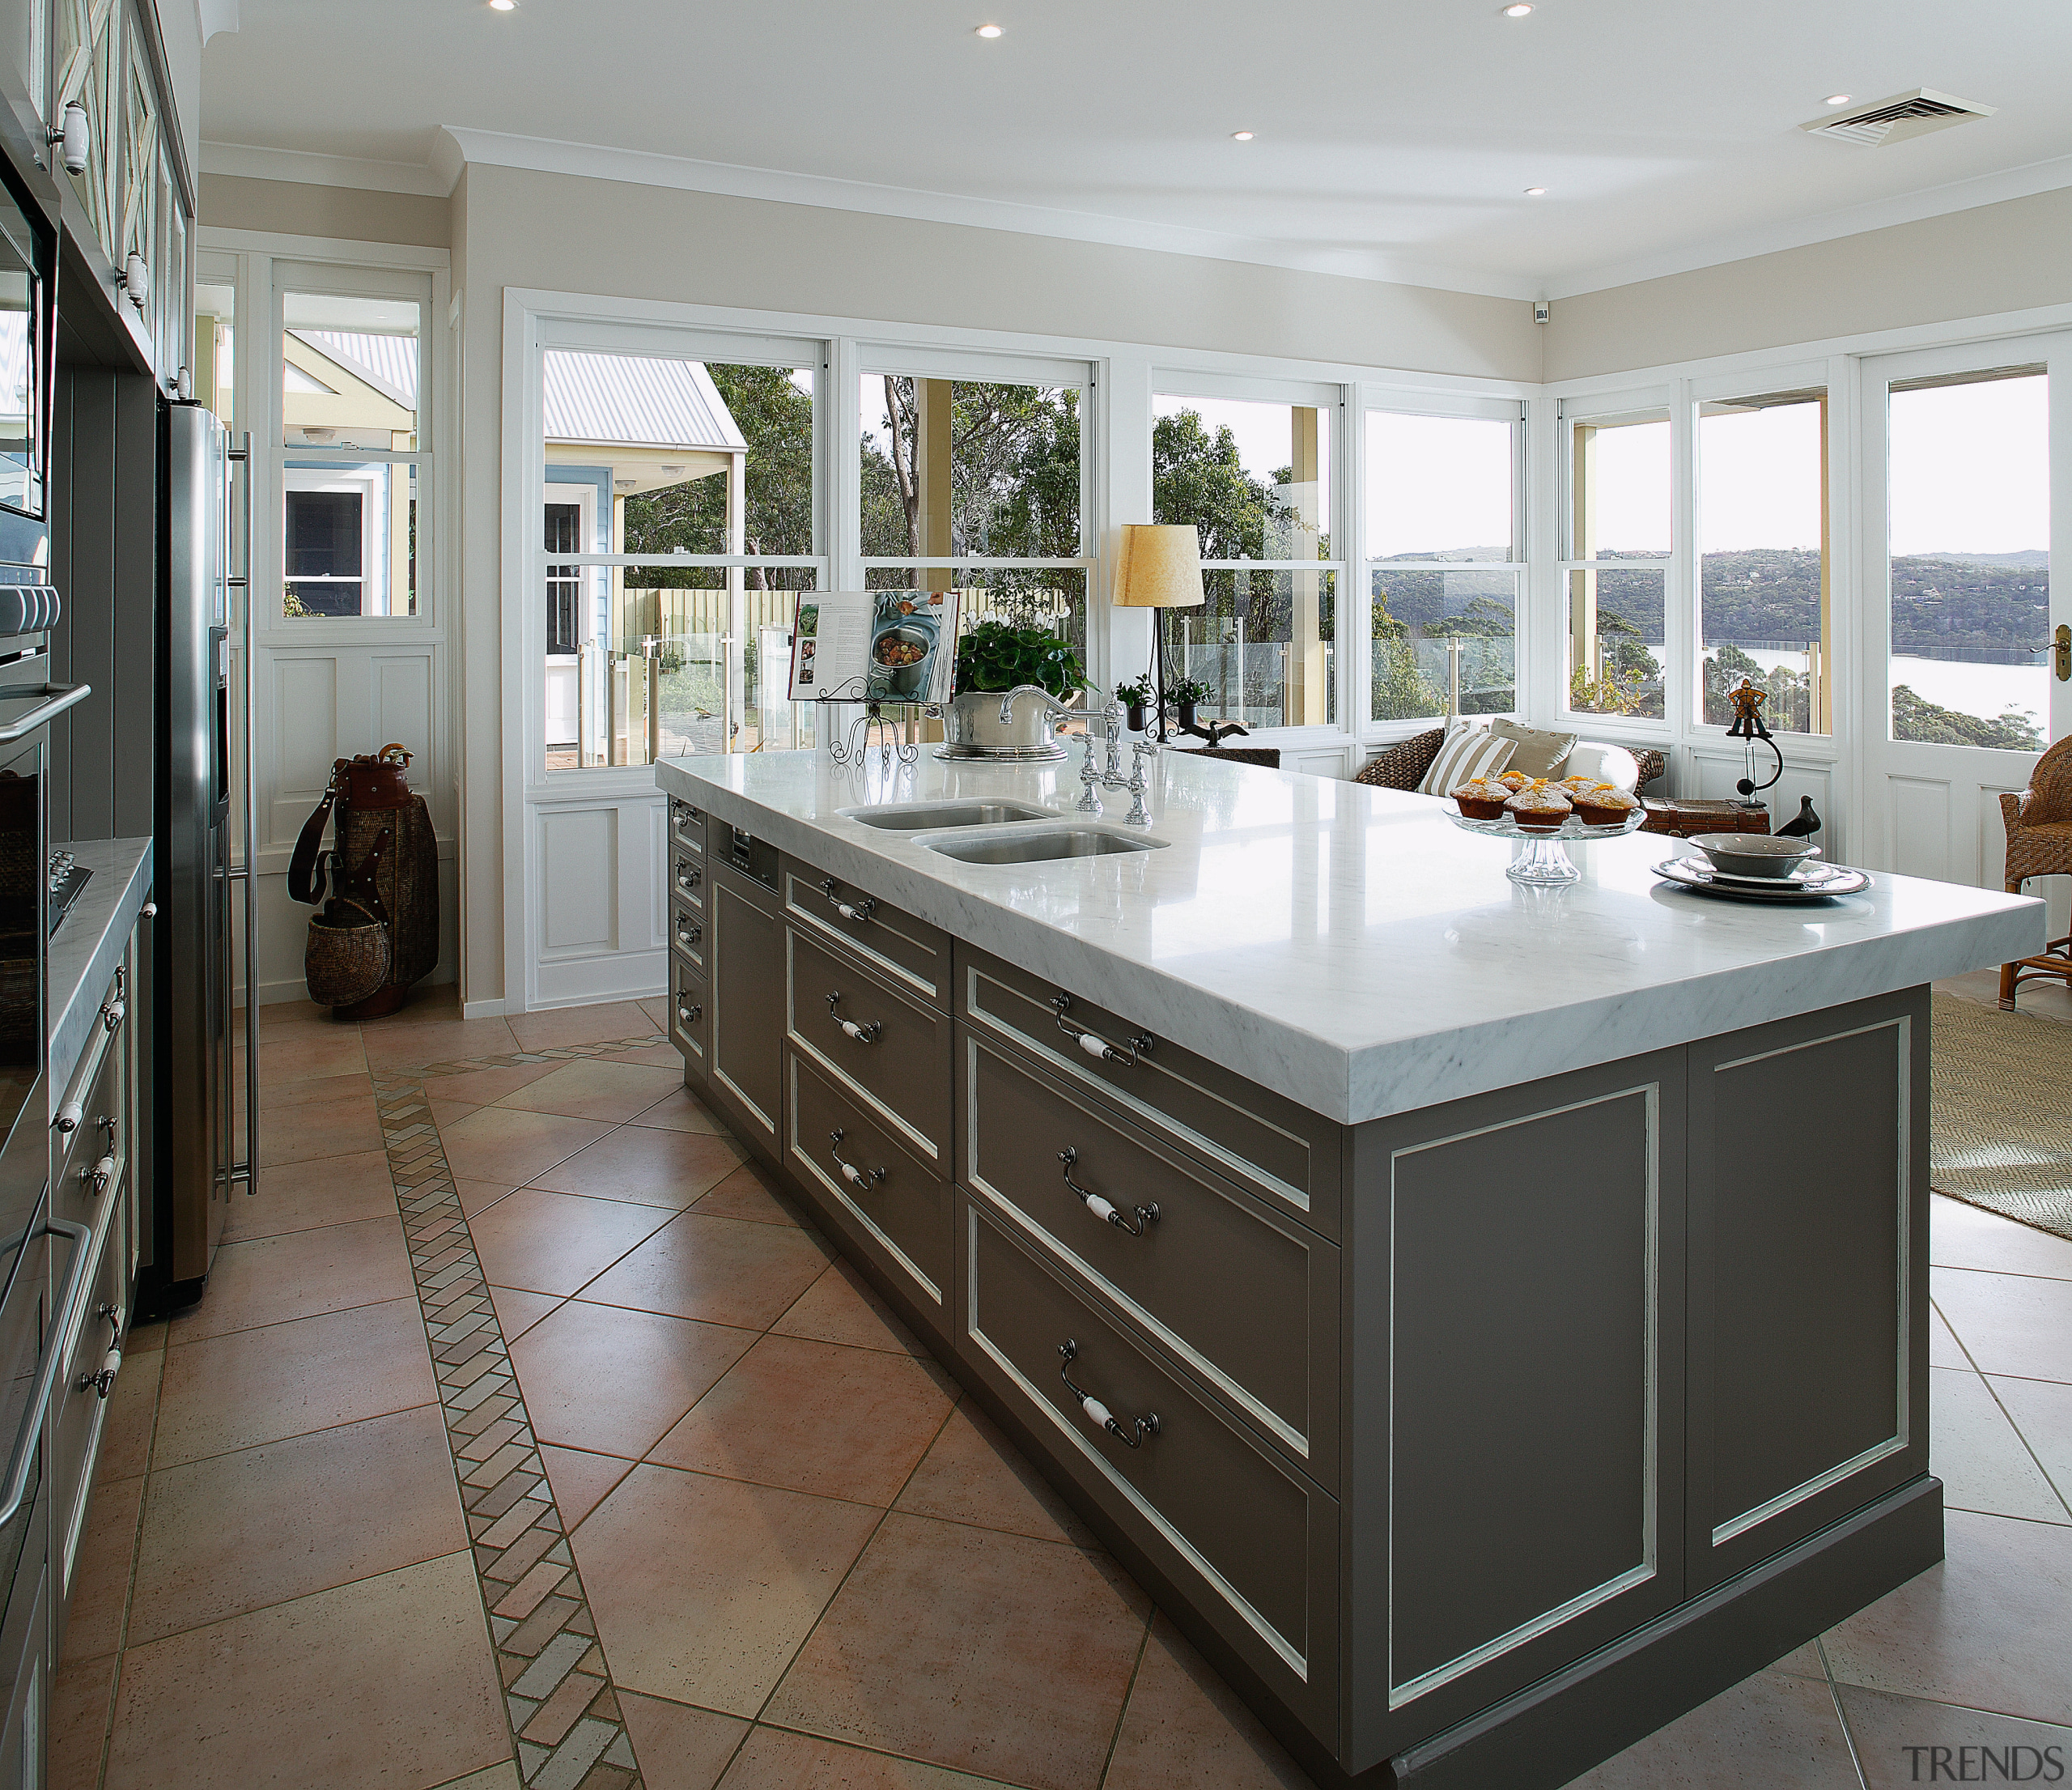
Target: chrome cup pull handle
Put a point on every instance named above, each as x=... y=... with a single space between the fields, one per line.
x=101 y=1176
x=687 y=1014
x=1098 y=1413
x=1107 y=1208
x=686 y=875
x=103 y=1381
x=854 y=1175
x=848 y=910
x=863 y=1034
x=1097 y=1047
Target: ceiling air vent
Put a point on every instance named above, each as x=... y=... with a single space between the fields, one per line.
x=1895 y=120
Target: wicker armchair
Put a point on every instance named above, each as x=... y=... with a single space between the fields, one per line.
x=1402 y=765
x=2038 y=823
x=1652 y=763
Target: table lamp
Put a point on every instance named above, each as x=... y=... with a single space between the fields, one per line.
x=1158 y=567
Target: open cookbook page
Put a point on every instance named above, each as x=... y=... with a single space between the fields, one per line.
x=896 y=646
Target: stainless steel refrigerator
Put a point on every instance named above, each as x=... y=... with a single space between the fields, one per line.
x=204 y=1126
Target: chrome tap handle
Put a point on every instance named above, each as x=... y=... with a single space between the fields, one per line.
x=1115 y=717
x=1088 y=802
x=1139 y=815
x=1021 y=690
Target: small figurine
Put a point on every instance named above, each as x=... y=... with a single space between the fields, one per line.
x=1748 y=706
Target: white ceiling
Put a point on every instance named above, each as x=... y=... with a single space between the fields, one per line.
x=1394 y=138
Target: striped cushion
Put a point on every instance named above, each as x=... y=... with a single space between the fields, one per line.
x=1469 y=752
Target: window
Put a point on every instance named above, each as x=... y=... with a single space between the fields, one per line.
x=678 y=526
x=1618 y=486
x=976 y=485
x=1254 y=479
x=1442 y=495
x=1763 y=597
x=1969 y=508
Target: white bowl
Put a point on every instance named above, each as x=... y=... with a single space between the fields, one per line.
x=1754 y=854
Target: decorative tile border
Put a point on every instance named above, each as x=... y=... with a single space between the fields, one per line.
x=564 y=1720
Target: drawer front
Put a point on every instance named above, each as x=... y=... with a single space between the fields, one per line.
x=690 y=1018
x=747 y=1008
x=1246 y=1297
x=1253 y=1543
x=893 y=1205
x=97 y=1153
x=912 y=956
x=1292 y=1154
x=688 y=878
x=896 y=1053
x=687 y=936
x=686 y=824
x=81 y=1403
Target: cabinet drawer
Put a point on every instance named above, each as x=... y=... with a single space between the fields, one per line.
x=687 y=937
x=690 y=1018
x=892 y=1206
x=94 y=1157
x=80 y=1403
x=890 y=1050
x=910 y=954
x=1252 y=1542
x=686 y=824
x=1246 y=1297
x=687 y=878
x=1290 y=1152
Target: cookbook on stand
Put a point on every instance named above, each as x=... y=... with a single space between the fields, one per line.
x=896 y=646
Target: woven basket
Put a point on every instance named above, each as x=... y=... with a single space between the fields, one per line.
x=345 y=963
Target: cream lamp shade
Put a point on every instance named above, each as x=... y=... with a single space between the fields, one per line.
x=1159 y=567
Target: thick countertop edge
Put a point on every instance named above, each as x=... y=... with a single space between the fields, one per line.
x=121 y=884
x=1404 y=1074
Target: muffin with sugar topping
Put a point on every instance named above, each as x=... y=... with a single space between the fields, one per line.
x=1604 y=805
x=1539 y=805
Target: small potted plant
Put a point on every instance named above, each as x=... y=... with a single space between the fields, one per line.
x=1135 y=696
x=995 y=657
x=1186 y=693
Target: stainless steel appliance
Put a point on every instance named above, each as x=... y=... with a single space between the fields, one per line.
x=204 y=1153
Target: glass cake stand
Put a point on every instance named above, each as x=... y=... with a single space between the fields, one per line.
x=1545 y=860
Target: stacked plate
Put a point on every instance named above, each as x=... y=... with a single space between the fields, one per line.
x=1810 y=882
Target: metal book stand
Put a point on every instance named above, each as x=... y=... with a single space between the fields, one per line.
x=851 y=744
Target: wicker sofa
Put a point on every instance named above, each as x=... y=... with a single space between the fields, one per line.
x=1402 y=765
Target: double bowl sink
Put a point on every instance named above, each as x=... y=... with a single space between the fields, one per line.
x=1030 y=843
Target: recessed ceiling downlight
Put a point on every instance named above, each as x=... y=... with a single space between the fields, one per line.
x=1536 y=191
x=991 y=30
x=1836 y=100
x=1517 y=11
x=1241 y=136
x=503 y=6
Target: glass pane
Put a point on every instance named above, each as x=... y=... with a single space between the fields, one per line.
x=1262 y=650
x=1440 y=487
x=1254 y=478
x=90 y=74
x=956 y=467
x=1444 y=643
x=1762 y=519
x=215 y=348
x=1969 y=504
x=349 y=372
x=1053 y=597
x=1619 y=486
x=349 y=539
x=20 y=487
x=140 y=162
x=1615 y=642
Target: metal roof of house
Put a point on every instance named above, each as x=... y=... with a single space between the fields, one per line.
x=635 y=400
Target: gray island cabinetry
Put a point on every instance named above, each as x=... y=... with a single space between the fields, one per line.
x=1374 y=1253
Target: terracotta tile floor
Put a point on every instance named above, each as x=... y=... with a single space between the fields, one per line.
x=810 y=1563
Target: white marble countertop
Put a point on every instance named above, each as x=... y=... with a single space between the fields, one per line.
x=1350 y=947
x=88 y=947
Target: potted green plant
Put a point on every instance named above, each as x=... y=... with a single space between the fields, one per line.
x=1136 y=696
x=995 y=657
x=1186 y=693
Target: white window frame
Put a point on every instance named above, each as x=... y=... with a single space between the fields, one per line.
x=375 y=508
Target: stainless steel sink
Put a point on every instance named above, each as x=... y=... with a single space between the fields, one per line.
x=1038 y=848
x=908 y=817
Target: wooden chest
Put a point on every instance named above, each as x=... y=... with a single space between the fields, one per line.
x=1681 y=818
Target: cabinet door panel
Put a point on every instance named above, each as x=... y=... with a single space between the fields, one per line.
x=748 y=1007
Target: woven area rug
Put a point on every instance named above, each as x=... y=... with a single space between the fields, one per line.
x=2002 y=1112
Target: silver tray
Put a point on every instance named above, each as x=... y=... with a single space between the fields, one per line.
x=1835 y=879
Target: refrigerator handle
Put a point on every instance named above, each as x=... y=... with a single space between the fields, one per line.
x=237 y=527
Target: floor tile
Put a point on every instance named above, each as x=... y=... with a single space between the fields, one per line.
x=1964 y=1236
x=969 y=1649
x=679 y=1748
x=1894 y=1735
x=746 y=1193
x=648 y=1056
x=714 y=1616
x=973 y=1474
x=497 y=1777
x=1184 y=1725
x=813 y=1417
x=274 y=1014
x=133 y=1408
x=300 y=1195
x=238 y=1531
x=478 y=1196
x=271 y=1279
x=494 y=1145
x=1944 y=1351
x=681 y=1110
x=302 y=1053
x=668 y=1168
x=553 y=1243
x=2011 y=1324
x=1986 y=1628
x=101 y=1570
x=81 y=1694
x=404 y=1042
x=517 y=1310
x=1780 y=1733
x=840 y=1307
x=723 y=1270
x=580 y=1480
x=2041 y=1410
x=446 y=1114
x=319 y=1127
x=1984 y=1464
x=281 y=1096
x=382 y=1683
x=485 y=1086
x=657 y=1007
x=613 y=1381
x=1801 y=1662
x=773 y=1759
x=251 y=1387
x=590 y=1025
x=616 y=1091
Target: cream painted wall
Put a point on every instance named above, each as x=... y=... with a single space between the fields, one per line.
x=294 y=208
x=1989 y=260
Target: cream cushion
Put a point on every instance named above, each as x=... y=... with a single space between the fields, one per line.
x=1469 y=752
x=1607 y=763
x=1539 y=753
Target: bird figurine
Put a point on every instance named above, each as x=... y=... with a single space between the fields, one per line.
x=1802 y=825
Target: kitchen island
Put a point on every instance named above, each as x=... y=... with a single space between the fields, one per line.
x=1491 y=1320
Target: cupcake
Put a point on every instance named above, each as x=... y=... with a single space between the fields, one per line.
x=1577 y=785
x=1539 y=805
x=1604 y=804
x=1515 y=781
x=1481 y=799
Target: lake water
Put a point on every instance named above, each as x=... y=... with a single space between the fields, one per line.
x=1986 y=690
